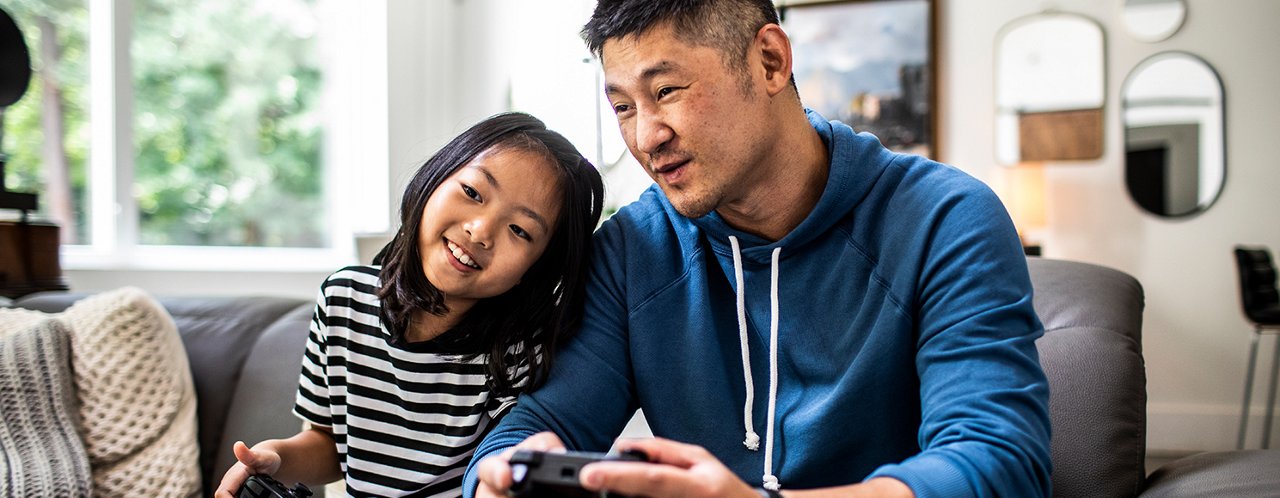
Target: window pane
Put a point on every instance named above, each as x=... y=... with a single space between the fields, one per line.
x=226 y=123
x=46 y=133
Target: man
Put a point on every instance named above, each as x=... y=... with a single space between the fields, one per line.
x=793 y=306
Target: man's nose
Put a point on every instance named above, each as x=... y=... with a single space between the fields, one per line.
x=652 y=132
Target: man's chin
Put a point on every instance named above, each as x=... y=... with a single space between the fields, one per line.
x=692 y=208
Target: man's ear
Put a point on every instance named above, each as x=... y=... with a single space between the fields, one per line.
x=775 y=57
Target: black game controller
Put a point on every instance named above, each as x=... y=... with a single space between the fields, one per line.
x=536 y=474
x=262 y=486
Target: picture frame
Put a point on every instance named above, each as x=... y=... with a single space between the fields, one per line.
x=871 y=64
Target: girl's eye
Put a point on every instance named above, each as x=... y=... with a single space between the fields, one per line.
x=520 y=232
x=470 y=192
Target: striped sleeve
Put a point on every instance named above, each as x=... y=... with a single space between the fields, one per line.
x=312 y=402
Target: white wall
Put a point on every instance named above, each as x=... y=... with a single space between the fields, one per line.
x=446 y=72
x=1195 y=338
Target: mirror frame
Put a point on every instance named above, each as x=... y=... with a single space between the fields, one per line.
x=1222 y=113
x=1157 y=36
x=1103 y=77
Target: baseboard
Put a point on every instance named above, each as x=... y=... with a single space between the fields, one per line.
x=1177 y=428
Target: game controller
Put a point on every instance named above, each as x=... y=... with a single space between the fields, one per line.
x=262 y=486
x=536 y=474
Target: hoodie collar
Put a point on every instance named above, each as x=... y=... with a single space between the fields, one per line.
x=857 y=160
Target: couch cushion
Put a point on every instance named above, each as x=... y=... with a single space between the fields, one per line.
x=262 y=404
x=219 y=334
x=41 y=453
x=137 y=402
x=1219 y=474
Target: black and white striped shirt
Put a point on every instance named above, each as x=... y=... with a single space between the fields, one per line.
x=406 y=420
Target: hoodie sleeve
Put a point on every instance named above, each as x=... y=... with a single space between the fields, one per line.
x=588 y=397
x=984 y=397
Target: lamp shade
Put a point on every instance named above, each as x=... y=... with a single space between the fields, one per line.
x=1025 y=196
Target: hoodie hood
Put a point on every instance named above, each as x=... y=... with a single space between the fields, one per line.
x=856 y=162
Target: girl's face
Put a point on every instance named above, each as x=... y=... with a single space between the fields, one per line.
x=487 y=223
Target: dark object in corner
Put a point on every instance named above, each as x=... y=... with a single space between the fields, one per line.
x=28 y=249
x=1260 y=302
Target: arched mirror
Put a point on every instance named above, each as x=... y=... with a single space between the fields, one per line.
x=1174 y=133
x=1153 y=20
x=1050 y=89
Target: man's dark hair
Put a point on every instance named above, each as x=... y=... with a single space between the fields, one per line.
x=537 y=315
x=725 y=25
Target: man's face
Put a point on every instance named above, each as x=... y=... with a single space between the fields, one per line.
x=686 y=117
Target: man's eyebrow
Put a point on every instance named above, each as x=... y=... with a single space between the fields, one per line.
x=537 y=218
x=658 y=69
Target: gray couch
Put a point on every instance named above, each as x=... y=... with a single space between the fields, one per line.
x=245 y=354
x=1092 y=354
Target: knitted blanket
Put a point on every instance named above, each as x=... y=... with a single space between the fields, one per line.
x=41 y=453
x=135 y=403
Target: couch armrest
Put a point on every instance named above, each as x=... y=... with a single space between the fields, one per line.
x=1092 y=354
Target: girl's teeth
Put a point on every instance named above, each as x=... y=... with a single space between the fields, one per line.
x=462 y=256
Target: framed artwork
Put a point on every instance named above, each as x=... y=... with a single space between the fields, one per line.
x=869 y=64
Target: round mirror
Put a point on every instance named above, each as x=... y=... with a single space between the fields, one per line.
x=1175 y=150
x=1153 y=20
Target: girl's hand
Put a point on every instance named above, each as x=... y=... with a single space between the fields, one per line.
x=250 y=462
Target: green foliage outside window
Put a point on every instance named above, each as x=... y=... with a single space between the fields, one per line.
x=226 y=123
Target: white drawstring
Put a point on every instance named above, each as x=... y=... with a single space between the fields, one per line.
x=752 y=441
x=770 y=480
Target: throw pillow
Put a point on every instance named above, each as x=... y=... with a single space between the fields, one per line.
x=41 y=453
x=137 y=398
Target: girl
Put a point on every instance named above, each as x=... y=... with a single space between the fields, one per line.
x=408 y=364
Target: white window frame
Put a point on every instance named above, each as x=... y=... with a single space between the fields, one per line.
x=355 y=150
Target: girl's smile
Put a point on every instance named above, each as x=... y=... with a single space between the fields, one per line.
x=463 y=259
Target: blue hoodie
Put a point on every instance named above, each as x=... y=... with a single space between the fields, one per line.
x=904 y=337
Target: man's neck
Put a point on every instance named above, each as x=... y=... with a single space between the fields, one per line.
x=790 y=181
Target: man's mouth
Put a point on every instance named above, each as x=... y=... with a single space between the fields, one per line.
x=668 y=167
x=461 y=255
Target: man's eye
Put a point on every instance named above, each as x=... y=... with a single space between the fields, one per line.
x=620 y=108
x=470 y=192
x=520 y=232
x=664 y=91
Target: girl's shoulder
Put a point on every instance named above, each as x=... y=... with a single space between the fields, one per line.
x=355 y=274
x=359 y=281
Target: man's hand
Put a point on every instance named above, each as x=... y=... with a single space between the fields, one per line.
x=495 y=473
x=250 y=462
x=678 y=469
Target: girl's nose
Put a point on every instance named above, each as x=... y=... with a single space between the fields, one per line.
x=479 y=232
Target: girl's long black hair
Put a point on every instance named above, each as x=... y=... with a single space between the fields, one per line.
x=542 y=311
